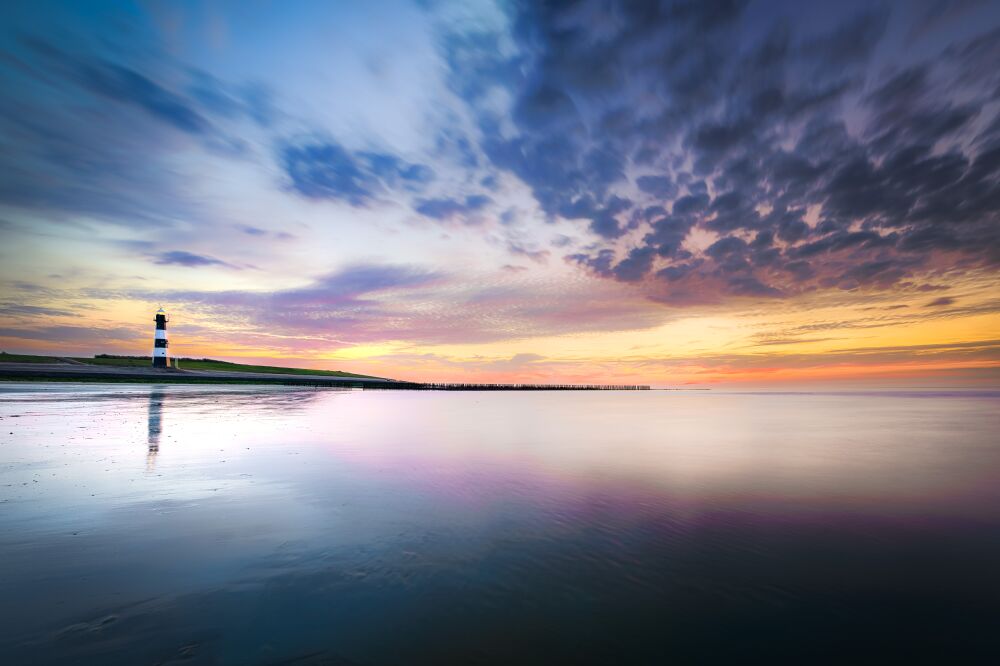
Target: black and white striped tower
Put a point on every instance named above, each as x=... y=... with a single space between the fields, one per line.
x=160 y=358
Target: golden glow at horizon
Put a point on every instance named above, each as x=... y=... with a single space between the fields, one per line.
x=752 y=342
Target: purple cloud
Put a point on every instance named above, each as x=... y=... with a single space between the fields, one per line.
x=188 y=259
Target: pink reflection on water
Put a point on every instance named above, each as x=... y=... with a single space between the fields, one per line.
x=793 y=452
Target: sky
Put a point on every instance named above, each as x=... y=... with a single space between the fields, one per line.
x=704 y=193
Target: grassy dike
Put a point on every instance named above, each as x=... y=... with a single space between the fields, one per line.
x=185 y=364
x=15 y=367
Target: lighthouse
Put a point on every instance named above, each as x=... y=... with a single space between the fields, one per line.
x=160 y=358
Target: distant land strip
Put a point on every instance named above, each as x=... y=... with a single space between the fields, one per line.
x=16 y=367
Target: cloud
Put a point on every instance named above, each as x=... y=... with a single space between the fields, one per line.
x=660 y=186
x=74 y=334
x=941 y=302
x=985 y=352
x=128 y=86
x=191 y=108
x=681 y=152
x=767 y=341
x=516 y=363
x=95 y=132
x=374 y=303
x=328 y=171
x=323 y=169
x=538 y=256
x=257 y=232
x=939 y=13
x=20 y=310
x=188 y=259
x=635 y=266
x=745 y=130
x=113 y=131
x=851 y=42
x=446 y=209
x=318 y=303
x=122 y=84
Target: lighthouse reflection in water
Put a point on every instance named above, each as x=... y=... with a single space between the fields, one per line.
x=155 y=426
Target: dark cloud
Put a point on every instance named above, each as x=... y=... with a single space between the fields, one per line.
x=746 y=129
x=938 y=13
x=668 y=234
x=257 y=232
x=604 y=221
x=189 y=259
x=444 y=209
x=600 y=263
x=748 y=285
x=849 y=43
x=323 y=169
x=676 y=272
x=690 y=204
x=635 y=266
x=659 y=186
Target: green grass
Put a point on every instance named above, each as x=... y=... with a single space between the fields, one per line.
x=174 y=379
x=211 y=364
x=185 y=364
x=131 y=362
x=26 y=358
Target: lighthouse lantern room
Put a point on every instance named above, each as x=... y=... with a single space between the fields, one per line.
x=160 y=358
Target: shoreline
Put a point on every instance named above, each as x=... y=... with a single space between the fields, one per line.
x=56 y=372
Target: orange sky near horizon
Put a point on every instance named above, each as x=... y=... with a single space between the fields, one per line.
x=901 y=338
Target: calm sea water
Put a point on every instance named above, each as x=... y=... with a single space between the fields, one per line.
x=208 y=525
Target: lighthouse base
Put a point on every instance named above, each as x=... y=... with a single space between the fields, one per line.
x=161 y=362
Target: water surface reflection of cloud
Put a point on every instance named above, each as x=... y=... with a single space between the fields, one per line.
x=559 y=519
